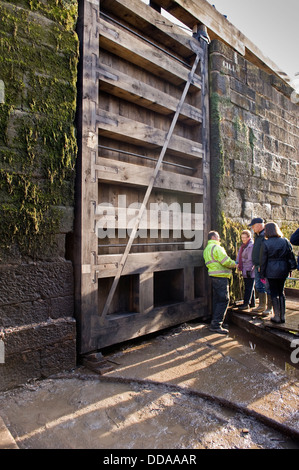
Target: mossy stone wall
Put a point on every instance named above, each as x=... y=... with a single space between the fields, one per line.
x=38 y=149
x=38 y=67
x=254 y=147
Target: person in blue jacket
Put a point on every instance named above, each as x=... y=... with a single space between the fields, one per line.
x=278 y=260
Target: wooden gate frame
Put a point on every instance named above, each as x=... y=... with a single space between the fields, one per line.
x=91 y=324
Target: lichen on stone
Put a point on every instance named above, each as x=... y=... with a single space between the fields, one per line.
x=38 y=147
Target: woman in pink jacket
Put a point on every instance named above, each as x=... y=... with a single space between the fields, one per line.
x=244 y=261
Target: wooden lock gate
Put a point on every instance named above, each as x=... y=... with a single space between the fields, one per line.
x=143 y=175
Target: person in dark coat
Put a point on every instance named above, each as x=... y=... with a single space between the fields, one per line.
x=278 y=260
x=295 y=241
x=295 y=237
x=265 y=303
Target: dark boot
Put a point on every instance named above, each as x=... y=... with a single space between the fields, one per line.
x=282 y=302
x=276 y=308
x=243 y=307
x=268 y=310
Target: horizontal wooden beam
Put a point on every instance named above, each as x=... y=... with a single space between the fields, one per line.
x=128 y=173
x=137 y=263
x=153 y=219
x=127 y=130
x=133 y=90
x=151 y=23
x=121 y=327
x=133 y=49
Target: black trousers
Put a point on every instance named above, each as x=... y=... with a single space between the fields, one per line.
x=276 y=287
x=220 y=291
x=249 y=295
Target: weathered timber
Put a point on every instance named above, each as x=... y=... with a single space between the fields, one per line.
x=132 y=325
x=136 y=91
x=150 y=186
x=154 y=219
x=125 y=44
x=149 y=262
x=151 y=23
x=142 y=101
x=129 y=130
x=128 y=173
x=86 y=241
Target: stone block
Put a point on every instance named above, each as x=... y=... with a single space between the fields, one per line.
x=242 y=101
x=292 y=213
x=287 y=150
x=292 y=187
x=253 y=79
x=59 y=245
x=37 y=336
x=227 y=67
x=281 y=86
x=67 y=219
x=228 y=129
x=271 y=144
x=18 y=369
x=34 y=281
x=274 y=199
x=242 y=168
x=233 y=204
x=221 y=48
x=279 y=213
x=248 y=210
x=251 y=120
x=19 y=314
x=279 y=188
x=220 y=84
x=261 y=209
x=52 y=356
x=61 y=307
x=242 y=88
x=37 y=351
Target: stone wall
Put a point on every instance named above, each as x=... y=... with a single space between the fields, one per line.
x=254 y=142
x=38 y=73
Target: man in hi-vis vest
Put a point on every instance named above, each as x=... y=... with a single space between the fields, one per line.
x=220 y=267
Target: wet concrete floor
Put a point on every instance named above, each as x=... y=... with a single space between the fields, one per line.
x=153 y=397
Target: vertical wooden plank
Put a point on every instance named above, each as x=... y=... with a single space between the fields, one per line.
x=146 y=292
x=204 y=41
x=86 y=236
x=188 y=283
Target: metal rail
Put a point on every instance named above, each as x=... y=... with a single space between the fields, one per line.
x=146 y=157
x=116 y=245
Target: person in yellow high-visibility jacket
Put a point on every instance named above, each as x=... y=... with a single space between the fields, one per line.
x=220 y=267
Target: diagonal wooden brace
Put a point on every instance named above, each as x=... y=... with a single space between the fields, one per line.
x=151 y=183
